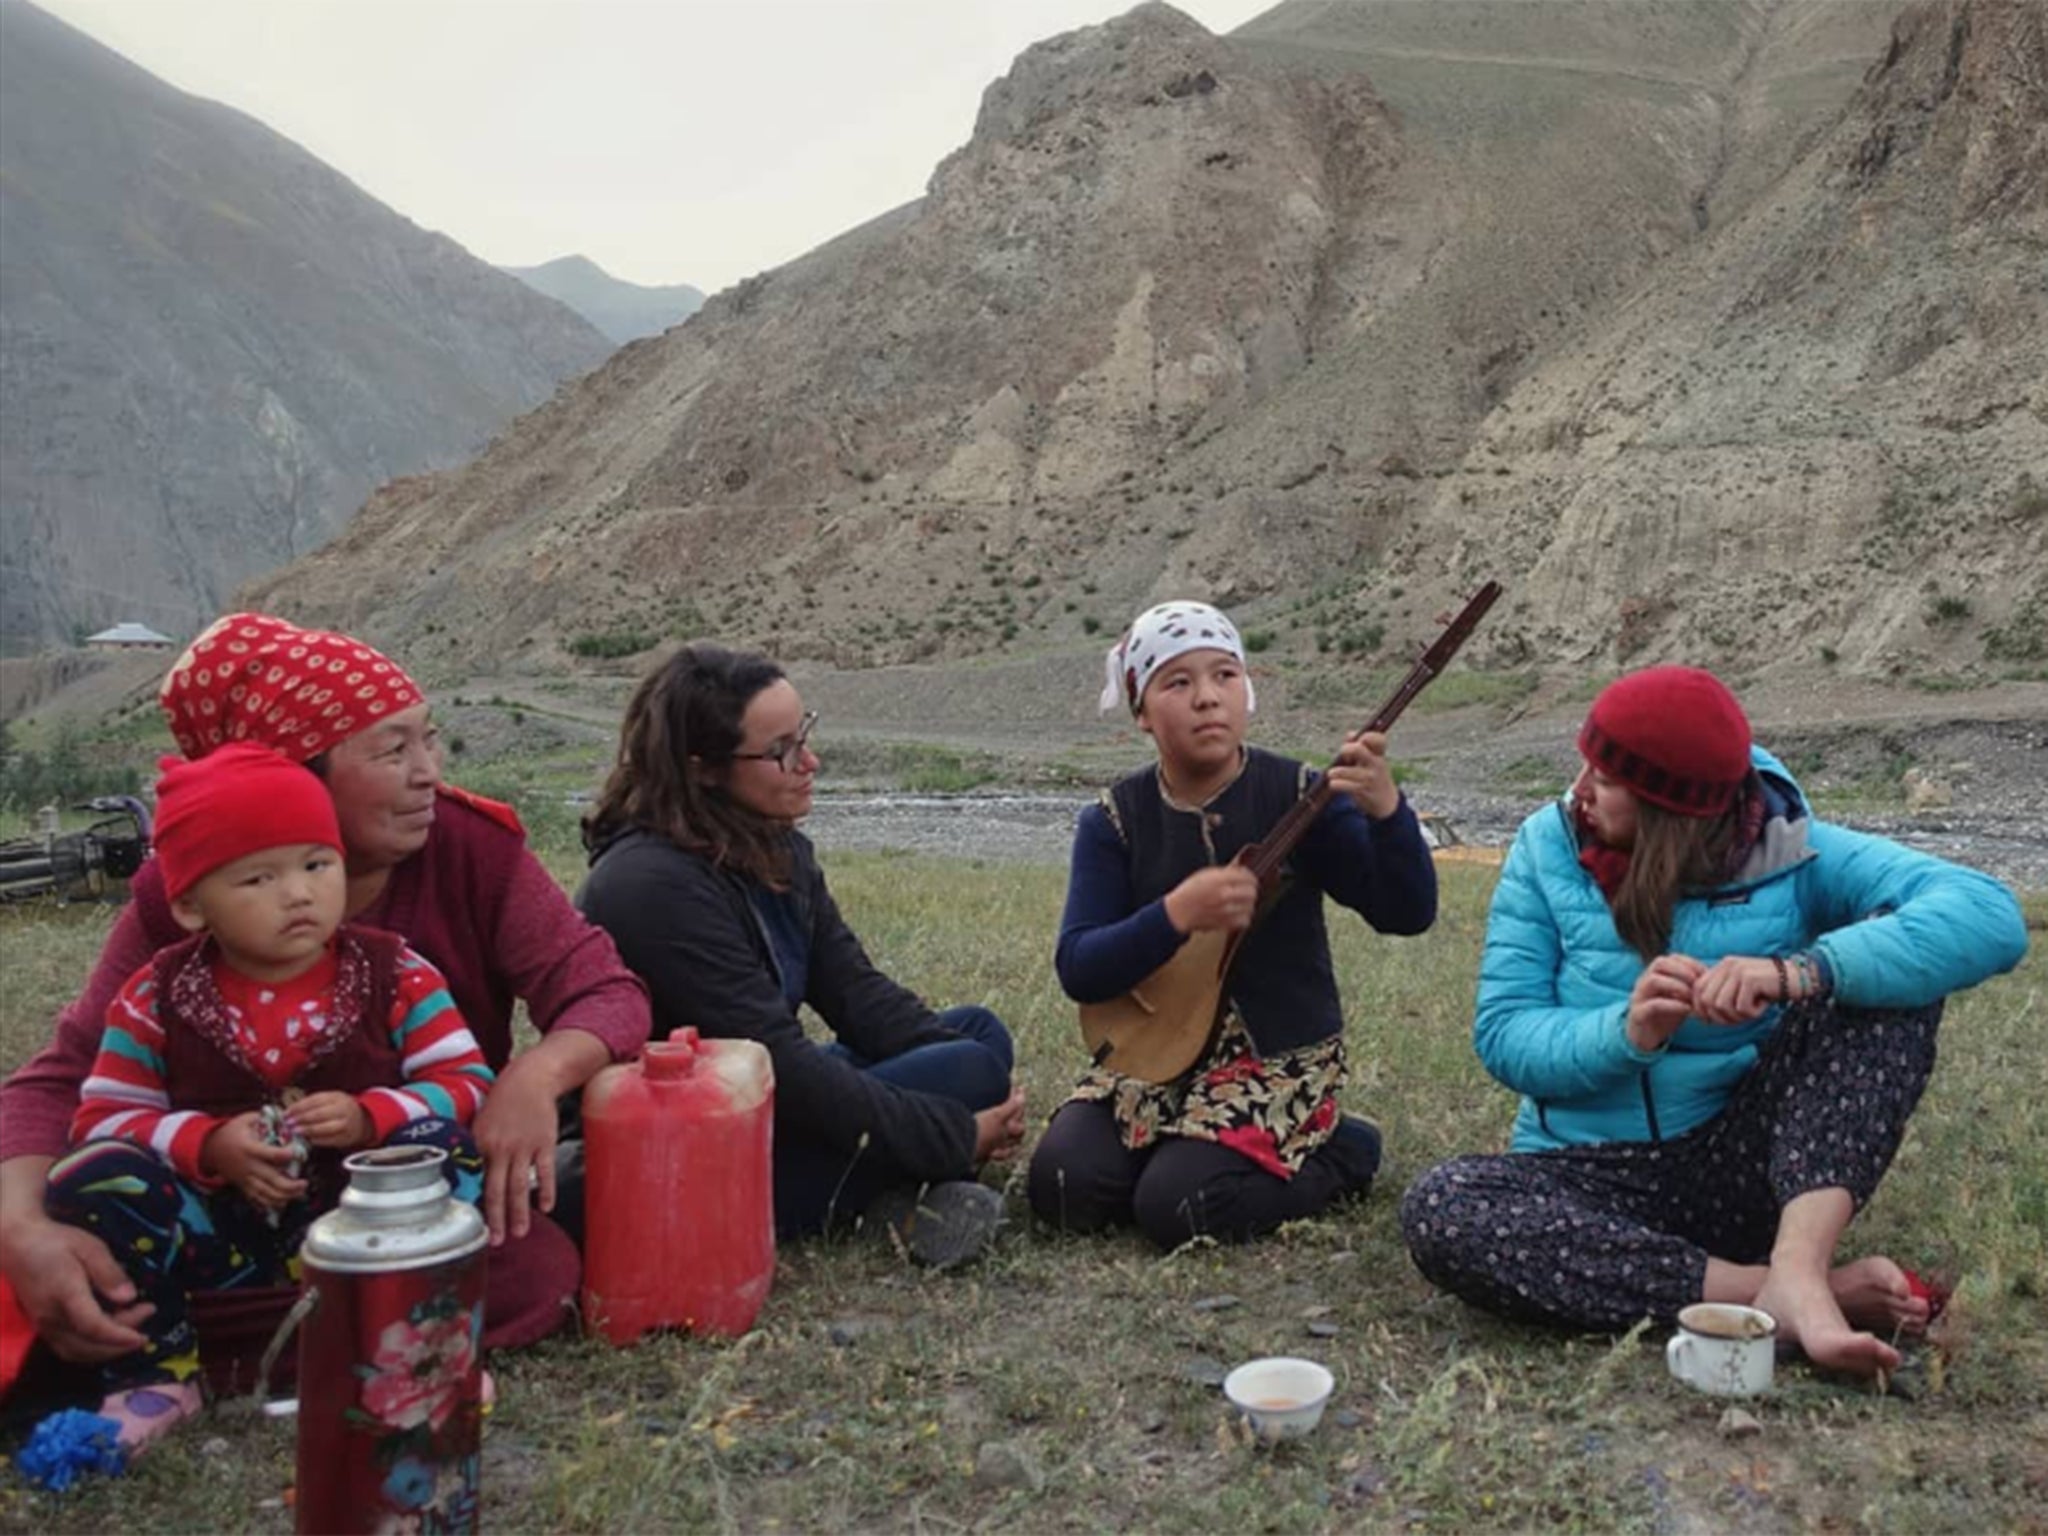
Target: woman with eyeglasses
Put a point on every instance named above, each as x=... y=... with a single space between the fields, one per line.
x=714 y=897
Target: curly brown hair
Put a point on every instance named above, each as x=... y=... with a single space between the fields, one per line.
x=689 y=710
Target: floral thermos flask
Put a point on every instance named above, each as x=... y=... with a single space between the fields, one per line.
x=390 y=1352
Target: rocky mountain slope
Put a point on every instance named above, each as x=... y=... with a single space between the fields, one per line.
x=623 y=311
x=1821 y=433
x=212 y=346
x=1714 y=329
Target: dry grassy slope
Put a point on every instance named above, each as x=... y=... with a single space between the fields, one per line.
x=1371 y=295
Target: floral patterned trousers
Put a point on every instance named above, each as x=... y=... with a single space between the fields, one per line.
x=1600 y=1237
x=174 y=1238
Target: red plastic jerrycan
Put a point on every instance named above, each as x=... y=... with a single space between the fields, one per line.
x=679 y=1226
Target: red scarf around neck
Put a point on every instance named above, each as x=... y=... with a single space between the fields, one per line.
x=1609 y=866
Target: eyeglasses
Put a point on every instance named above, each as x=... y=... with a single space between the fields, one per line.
x=790 y=753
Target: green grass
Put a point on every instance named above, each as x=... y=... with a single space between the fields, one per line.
x=612 y=644
x=916 y=767
x=551 y=798
x=1534 y=775
x=870 y=1390
x=1322 y=684
x=1460 y=689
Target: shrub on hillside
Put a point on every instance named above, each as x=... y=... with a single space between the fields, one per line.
x=611 y=644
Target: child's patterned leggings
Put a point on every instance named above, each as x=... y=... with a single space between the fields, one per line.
x=1600 y=1237
x=174 y=1238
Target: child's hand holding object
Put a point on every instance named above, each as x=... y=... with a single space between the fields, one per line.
x=237 y=1153
x=331 y=1119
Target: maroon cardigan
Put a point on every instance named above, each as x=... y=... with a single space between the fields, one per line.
x=474 y=901
x=206 y=1070
x=205 y=1067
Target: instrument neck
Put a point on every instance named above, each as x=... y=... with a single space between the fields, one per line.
x=1270 y=853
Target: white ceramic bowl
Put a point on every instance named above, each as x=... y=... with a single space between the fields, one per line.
x=1281 y=1397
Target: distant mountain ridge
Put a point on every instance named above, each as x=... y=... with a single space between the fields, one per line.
x=1715 y=331
x=213 y=346
x=623 y=311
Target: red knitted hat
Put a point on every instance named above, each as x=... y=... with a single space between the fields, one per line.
x=1674 y=735
x=251 y=677
x=236 y=801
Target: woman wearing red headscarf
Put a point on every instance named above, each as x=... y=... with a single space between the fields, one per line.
x=1719 y=1011
x=447 y=871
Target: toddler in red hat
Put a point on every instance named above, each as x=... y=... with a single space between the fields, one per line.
x=238 y=1067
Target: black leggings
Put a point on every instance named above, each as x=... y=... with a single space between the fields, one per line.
x=1084 y=1179
x=1600 y=1237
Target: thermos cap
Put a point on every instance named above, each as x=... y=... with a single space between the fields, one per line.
x=397 y=1213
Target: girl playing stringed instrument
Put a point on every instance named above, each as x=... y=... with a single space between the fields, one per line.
x=1251 y=1136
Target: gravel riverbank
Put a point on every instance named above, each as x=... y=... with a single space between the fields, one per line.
x=1975 y=791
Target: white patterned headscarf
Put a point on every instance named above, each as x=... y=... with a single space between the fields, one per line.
x=1158 y=635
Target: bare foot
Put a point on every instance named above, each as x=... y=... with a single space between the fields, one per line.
x=147 y=1414
x=1809 y=1316
x=1873 y=1294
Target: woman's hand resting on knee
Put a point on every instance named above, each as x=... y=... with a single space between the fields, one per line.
x=999 y=1130
x=81 y=1301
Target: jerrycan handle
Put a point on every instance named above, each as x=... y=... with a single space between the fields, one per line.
x=671 y=1059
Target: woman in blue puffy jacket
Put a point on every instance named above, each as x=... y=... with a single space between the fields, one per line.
x=1719 y=1012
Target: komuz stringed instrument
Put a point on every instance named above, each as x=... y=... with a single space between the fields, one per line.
x=1162 y=1027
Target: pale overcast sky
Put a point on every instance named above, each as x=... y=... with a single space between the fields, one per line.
x=667 y=140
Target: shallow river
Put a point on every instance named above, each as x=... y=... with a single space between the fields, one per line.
x=1038 y=828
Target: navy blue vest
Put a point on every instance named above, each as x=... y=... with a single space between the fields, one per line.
x=1282 y=981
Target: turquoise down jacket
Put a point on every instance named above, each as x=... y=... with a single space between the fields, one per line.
x=1900 y=929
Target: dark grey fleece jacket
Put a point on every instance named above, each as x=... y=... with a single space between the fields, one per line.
x=690 y=930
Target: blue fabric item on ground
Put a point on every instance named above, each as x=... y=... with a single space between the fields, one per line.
x=67 y=1444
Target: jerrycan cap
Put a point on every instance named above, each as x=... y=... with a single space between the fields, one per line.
x=671 y=1058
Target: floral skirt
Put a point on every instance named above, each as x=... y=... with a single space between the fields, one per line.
x=1274 y=1110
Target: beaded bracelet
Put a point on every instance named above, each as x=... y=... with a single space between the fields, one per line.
x=1784 y=982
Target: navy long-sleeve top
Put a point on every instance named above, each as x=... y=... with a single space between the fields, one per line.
x=1115 y=931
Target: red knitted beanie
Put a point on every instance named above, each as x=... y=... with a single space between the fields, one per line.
x=1674 y=735
x=237 y=800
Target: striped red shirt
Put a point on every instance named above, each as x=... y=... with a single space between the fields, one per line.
x=125 y=1097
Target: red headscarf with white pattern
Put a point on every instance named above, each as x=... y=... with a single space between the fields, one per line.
x=251 y=677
